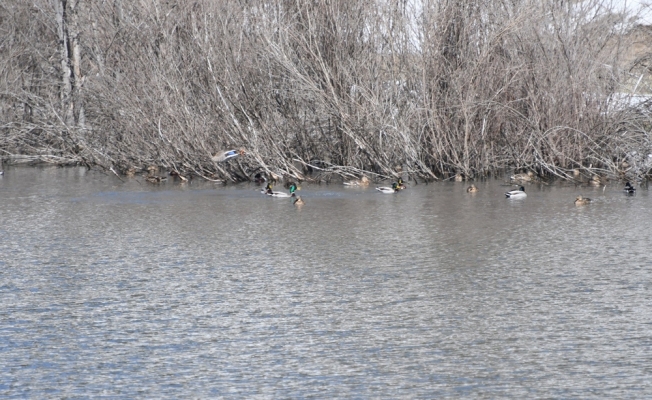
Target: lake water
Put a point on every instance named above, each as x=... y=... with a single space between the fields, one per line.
x=126 y=289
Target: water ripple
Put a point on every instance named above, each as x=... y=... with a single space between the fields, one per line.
x=129 y=290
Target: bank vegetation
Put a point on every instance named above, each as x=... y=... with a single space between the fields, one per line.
x=430 y=89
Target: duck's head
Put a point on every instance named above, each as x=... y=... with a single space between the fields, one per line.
x=522 y=189
x=293 y=188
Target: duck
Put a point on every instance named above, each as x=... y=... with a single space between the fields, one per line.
x=259 y=178
x=268 y=191
x=289 y=184
x=516 y=194
x=629 y=189
x=364 y=181
x=130 y=172
x=177 y=175
x=581 y=201
x=156 y=179
x=400 y=184
x=298 y=201
x=472 y=189
x=596 y=181
x=222 y=156
x=388 y=190
x=527 y=177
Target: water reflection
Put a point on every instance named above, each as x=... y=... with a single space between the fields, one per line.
x=130 y=289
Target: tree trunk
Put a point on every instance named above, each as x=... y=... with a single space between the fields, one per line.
x=66 y=86
x=78 y=79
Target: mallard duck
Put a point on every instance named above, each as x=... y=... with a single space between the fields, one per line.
x=472 y=189
x=289 y=184
x=581 y=201
x=527 y=177
x=385 y=189
x=259 y=178
x=364 y=181
x=156 y=179
x=222 y=156
x=596 y=181
x=629 y=189
x=268 y=191
x=130 y=172
x=297 y=201
x=516 y=194
x=177 y=175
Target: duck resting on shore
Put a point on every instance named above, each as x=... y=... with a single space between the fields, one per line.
x=516 y=194
x=364 y=181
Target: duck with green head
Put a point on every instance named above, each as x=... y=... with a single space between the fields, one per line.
x=388 y=190
x=268 y=191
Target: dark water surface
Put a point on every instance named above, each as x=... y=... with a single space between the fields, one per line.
x=125 y=289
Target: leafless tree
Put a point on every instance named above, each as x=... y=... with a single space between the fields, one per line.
x=432 y=88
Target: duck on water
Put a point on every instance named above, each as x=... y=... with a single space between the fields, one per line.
x=516 y=194
x=268 y=191
x=629 y=189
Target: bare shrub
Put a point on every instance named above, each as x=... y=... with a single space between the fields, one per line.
x=435 y=89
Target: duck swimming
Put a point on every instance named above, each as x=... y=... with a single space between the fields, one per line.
x=156 y=179
x=268 y=191
x=297 y=201
x=472 y=189
x=581 y=201
x=388 y=190
x=629 y=189
x=259 y=178
x=516 y=194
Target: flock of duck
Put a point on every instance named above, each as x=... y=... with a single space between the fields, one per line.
x=399 y=185
x=396 y=186
x=579 y=200
x=291 y=186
